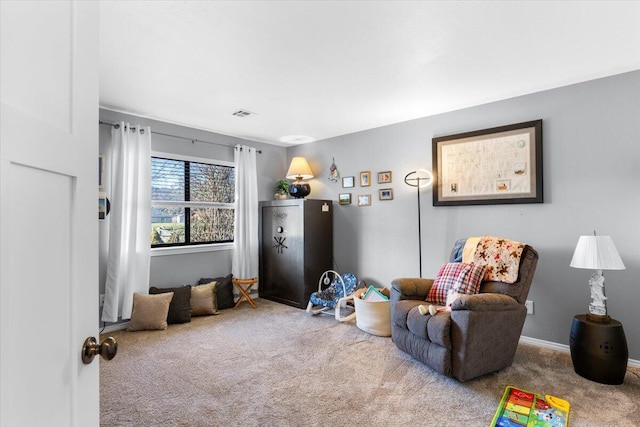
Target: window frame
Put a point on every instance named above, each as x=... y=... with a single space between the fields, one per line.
x=191 y=247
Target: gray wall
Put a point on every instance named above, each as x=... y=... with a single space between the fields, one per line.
x=173 y=270
x=591 y=152
x=591 y=181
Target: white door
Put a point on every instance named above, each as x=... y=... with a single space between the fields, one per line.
x=48 y=212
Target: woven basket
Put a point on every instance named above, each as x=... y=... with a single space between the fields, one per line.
x=373 y=317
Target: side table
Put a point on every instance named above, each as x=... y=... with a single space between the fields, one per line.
x=598 y=350
x=244 y=287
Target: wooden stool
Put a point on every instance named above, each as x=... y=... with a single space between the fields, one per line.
x=244 y=287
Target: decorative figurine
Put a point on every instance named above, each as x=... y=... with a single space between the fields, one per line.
x=334 y=175
x=598 y=298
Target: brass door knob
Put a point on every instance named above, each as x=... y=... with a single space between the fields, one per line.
x=107 y=349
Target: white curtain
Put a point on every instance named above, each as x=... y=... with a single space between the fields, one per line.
x=130 y=220
x=245 y=242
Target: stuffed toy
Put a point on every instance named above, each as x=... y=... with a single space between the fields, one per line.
x=433 y=310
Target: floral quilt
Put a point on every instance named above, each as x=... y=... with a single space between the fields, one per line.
x=501 y=256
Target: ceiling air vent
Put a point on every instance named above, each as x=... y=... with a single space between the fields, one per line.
x=242 y=113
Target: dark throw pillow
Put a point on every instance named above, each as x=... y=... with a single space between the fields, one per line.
x=180 y=307
x=224 y=290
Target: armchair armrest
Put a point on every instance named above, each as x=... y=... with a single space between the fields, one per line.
x=485 y=329
x=410 y=288
x=486 y=302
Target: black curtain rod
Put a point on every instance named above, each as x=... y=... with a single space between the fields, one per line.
x=193 y=140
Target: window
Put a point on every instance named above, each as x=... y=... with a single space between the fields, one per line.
x=192 y=202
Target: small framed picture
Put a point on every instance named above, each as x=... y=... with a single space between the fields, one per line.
x=364 y=200
x=385 y=194
x=384 y=177
x=344 y=198
x=102 y=206
x=365 y=179
x=348 y=181
x=101 y=171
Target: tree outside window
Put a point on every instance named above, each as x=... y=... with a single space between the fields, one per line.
x=191 y=202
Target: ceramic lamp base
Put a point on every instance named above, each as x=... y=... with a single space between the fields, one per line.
x=299 y=189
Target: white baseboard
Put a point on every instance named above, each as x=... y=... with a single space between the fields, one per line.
x=563 y=347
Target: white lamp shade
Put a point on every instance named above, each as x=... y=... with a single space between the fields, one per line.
x=299 y=168
x=596 y=253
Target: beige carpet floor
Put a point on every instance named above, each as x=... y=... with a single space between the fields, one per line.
x=279 y=366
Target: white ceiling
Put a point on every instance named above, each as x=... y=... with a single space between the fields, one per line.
x=321 y=69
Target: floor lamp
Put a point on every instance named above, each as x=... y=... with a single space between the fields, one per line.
x=419 y=179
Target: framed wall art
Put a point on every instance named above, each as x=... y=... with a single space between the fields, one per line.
x=102 y=206
x=344 y=198
x=385 y=194
x=365 y=179
x=348 y=181
x=490 y=166
x=384 y=177
x=364 y=200
x=101 y=166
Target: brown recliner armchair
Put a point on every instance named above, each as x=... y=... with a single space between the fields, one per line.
x=478 y=336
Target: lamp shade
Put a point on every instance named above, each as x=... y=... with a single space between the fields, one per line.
x=596 y=253
x=299 y=168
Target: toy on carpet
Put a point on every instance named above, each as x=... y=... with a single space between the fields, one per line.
x=519 y=408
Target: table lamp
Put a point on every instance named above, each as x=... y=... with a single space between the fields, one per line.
x=299 y=169
x=597 y=253
x=597 y=342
